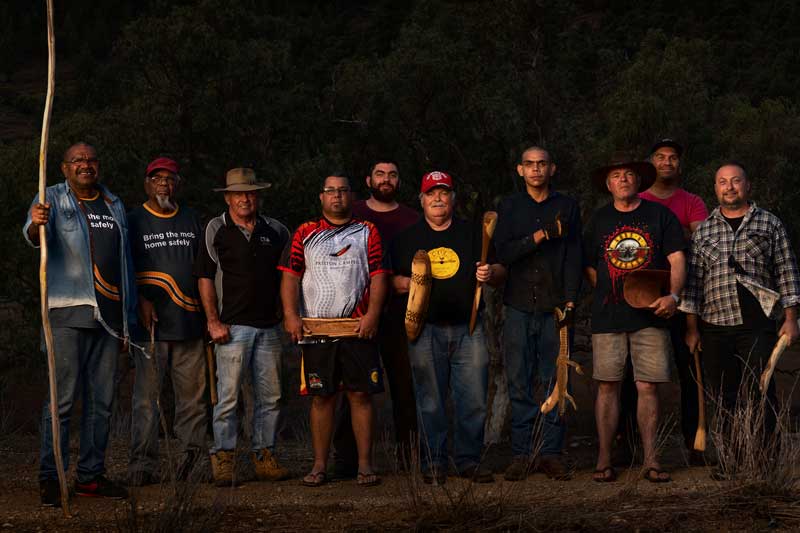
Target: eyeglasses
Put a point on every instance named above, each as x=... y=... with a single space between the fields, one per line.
x=169 y=180
x=333 y=191
x=83 y=161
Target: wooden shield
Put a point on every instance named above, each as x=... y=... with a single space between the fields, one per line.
x=330 y=327
x=418 y=294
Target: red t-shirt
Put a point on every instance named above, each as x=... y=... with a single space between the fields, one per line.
x=389 y=223
x=687 y=207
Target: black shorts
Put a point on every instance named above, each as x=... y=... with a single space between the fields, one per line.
x=347 y=364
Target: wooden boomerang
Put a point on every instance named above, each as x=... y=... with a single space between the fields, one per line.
x=560 y=395
x=777 y=351
x=489 y=224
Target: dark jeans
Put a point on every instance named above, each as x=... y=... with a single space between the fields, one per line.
x=393 y=347
x=684 y=362
x=87 y=356
x=734 y=354
x=531 y=346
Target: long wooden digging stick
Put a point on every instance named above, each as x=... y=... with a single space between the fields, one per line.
x=48 y=331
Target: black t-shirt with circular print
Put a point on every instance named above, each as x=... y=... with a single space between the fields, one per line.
x=617 y=243
x=453 y=253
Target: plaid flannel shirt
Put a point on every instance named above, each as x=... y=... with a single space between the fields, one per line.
x=759 y=256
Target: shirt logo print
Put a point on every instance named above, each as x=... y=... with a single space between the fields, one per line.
x=341 y=252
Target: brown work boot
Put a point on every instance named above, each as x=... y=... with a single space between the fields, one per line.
x=222 y=467
x=519 y=468
x=267 y=467
x=553 y=467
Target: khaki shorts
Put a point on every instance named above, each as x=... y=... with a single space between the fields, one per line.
x=650 y=350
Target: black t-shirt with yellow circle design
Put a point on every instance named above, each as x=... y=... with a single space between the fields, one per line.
x=615 y=244
x=453 y=253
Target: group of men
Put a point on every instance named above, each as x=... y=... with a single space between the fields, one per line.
x=244 y=280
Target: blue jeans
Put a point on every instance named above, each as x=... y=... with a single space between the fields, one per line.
x=531 y=346
x=442 y=358
x=258 y=351
x=91 y=355
x=186 y=363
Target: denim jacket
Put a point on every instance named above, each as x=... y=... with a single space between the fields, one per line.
x=70 y=280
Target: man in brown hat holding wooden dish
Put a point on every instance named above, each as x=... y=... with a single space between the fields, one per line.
x=239 y=284
x=629 y=235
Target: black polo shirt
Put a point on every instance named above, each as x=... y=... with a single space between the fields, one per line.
x=244 y=269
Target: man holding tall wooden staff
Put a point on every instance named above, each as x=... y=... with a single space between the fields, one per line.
x=445 y=356
x=538 y=239
x=743 y=277
x=91 y=299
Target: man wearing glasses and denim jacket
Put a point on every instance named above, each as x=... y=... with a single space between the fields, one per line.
x=91 y=298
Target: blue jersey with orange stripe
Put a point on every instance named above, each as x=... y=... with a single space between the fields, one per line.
x=164 y=249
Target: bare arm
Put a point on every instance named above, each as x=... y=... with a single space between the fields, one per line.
x=591 y=276
x=368 y=324
x=401 y=284
x=290 y=297
x=494 y=274
x=220 y=333
x=789 y=326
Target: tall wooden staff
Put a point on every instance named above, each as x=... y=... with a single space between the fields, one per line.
x=55 y=421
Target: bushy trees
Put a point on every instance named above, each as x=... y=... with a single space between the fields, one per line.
x=298 y=88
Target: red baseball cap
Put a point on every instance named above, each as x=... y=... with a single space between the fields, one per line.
x=160 y=163
x=436 y=179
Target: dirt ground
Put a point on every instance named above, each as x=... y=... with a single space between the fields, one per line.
x=401 y=502
x=692 y=502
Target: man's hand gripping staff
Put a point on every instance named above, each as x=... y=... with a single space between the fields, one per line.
x=560 y=394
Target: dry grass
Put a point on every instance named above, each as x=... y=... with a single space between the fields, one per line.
x=760 y=463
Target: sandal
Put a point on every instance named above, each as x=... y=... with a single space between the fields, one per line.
x=607 y=475
x=367 y=479
x=658 y=473
x=315 y=479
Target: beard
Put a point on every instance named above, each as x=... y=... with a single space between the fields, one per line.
x=386 y=194
x=165 y=202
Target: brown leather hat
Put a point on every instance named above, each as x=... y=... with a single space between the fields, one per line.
x=644 y=169
x=242 y=180
x=643 y=287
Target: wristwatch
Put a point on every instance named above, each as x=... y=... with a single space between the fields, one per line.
x=676 y=298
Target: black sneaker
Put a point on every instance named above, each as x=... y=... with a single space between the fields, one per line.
x=142 y=479
x=101 y=487
x=50 y=493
